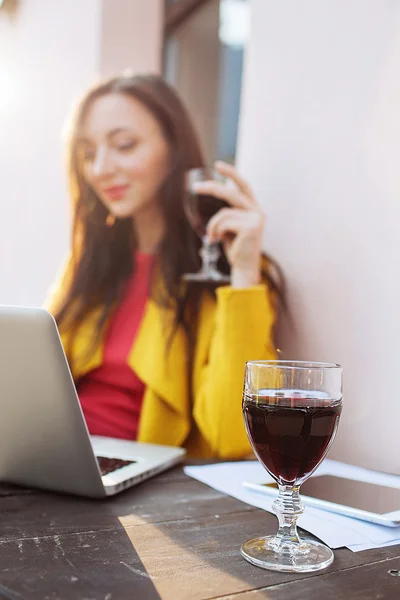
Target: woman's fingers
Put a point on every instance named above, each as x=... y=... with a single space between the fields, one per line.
x=231 y=195
x=230 y=171
x=234 y=221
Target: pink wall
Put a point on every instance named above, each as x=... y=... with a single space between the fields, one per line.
x=49 y=54
x=131 y=36
x=320 y=140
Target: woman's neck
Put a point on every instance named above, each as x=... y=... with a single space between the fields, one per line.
x=149 y=227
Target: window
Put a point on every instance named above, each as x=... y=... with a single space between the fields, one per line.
x=203 y=58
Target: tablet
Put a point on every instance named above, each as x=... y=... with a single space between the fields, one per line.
x=367 y=501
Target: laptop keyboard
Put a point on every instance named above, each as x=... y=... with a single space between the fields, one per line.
x=108 y=465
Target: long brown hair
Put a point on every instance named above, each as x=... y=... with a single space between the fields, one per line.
x=103 y=257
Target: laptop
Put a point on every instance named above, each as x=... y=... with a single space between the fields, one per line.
x=44 y=440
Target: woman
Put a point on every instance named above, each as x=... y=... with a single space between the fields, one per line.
x=153 y=358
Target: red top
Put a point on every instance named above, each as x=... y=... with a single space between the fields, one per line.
x=111 y=396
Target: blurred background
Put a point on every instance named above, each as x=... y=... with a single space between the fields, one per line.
x=303 y=96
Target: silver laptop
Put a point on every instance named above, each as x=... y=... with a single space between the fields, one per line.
x=44 y=441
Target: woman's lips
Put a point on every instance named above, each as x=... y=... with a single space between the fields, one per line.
x=116 y=192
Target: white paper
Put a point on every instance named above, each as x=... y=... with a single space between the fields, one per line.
x=333 y=529
x=359 y=547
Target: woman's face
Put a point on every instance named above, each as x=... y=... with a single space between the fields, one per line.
x=124 y=154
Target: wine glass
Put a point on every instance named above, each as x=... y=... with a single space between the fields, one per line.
x=291 y=412
x=199 y=209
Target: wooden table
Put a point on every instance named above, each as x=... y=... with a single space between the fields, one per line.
x=171 y=538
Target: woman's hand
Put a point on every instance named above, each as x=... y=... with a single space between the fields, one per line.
x=239 y=227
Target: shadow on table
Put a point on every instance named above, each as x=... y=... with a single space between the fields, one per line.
x=170 y=537
x=62 y=547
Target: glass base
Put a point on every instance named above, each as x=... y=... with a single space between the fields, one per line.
x=207 y=276
x=308 y=556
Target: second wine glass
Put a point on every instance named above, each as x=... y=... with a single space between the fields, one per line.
x=291 y=412
x=199 y=209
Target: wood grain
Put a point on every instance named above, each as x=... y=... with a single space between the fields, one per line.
x=171 y=538
x=365 y=582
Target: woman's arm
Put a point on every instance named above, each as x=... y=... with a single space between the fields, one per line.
x=244 y=317
x=244 y=320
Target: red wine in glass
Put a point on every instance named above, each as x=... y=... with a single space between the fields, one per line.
x=291 y=431
x=291 y=412
x=199 y=209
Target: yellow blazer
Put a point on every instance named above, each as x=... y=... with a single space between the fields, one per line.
x=207 y=420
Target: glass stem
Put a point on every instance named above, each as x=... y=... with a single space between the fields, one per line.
x=287 y=508
x=210 y=254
